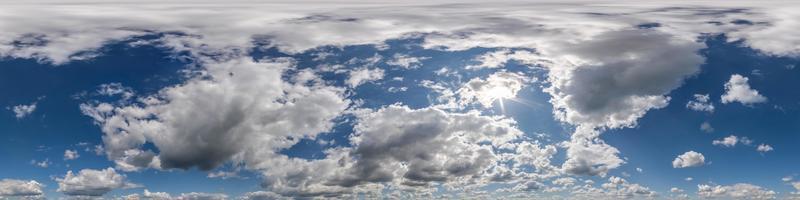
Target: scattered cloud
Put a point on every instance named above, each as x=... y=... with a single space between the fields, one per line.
x=363 y=75
x=706 y=127
x=71 y=154
x=763 y=148
x=689 y=159
x=737 y=89
x=735 y=191
x=22 y=111
x=701 y=102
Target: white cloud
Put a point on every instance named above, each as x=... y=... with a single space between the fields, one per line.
x=689 y=159
x=732 y=140
x=90 y=182
x=157 y=195
x=21 y=111
x=71 y=154
x=201 y=196
x=405 y=61
x=10 y=188
x=763 y=148
x=702 y=103
x=363 y=75
x=498 y=86
x=738 y=90
x=736 y=191
x=498 y=59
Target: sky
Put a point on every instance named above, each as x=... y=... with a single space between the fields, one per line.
x=196 y=99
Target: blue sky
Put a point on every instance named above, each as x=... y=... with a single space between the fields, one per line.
x=664 y=101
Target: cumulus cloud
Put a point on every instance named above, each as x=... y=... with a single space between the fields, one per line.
x=689 y=159
x=731 y=141
x=702 y=103
x=422 y=146
x=498 y=59
x=10 y=188
x=763 y=148
x=71 y=154
x=239 y=107
x=363 y=75
x=90 y=182
x=735 y=191
x=613 y=87
x=738 y=90
x=21 y=111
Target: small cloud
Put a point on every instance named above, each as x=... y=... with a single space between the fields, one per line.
x=706 y=127
x=22 y=111
x=701 y=102
x=737 y=89
x=71 y=155
x=763 y=148
x=689 y=159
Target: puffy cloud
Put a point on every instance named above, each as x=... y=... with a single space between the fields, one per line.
x=20 y=188
x=689 y=159
x=763 y=148
x=736 y=191
x=498 y=86
x=738 y=90
x=156 y=195
x=731 y=141
x=21 y=111
x=71 y=154
x=426 y=145
x=237 y=109
x=614 y=78
x=589 y=155
x=702 y=103
x=90 y=182
x=363 y=75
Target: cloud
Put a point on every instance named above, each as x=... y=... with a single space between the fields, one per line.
x=701 y=103
x=156 y=195
x=738 y=90
x=498 y=59
x=10 y=188
x=363 y=75
x=763 y=148
x=731 y=141
x=240 y=110
x=202 y=196
x=90 y=182
x=735 y=191
x=689 y=159
x=498 y=86
x=405 y=61
x=71 y=154
x=614 y=78
x=22 y=111
x=426 y=145
x=706 y=127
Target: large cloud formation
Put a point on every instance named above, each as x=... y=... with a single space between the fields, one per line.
x=237 y=107
x=602 y=73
